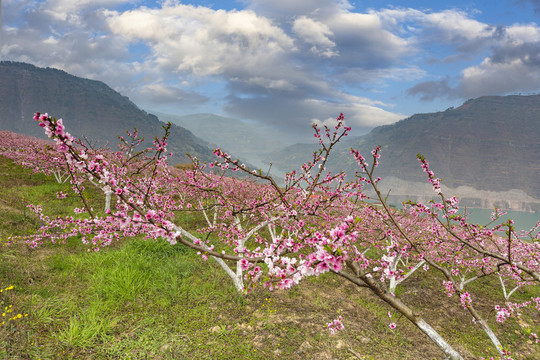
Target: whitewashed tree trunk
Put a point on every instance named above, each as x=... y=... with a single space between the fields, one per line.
x=506 y=294
x=108 y=200
x=237 y=275
x=475 y=314
x=365 y=280
x=393 y=282
x=60 y=177
x=107 y=191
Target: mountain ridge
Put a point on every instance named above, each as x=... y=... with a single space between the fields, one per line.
x=89 y=108
x=489 y=143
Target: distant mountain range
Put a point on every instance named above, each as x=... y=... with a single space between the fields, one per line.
x=487 y=151
x=89 y=109
x=249 y=142
x=482 y=150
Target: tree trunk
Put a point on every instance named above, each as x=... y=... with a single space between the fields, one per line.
x=366 y=281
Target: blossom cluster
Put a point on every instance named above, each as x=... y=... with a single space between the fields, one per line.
x=512 y=309
x=466 y=299
x=335 y=325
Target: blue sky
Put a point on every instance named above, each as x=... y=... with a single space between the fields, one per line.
x=286 y=63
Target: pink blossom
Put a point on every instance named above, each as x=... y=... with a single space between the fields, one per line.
x=335 y=325
x=465 y=299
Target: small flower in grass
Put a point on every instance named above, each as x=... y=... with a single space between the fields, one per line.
x=392 y=326
x=335 y=325
x=6 y=311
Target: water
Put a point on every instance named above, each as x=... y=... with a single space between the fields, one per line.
x=522 y=220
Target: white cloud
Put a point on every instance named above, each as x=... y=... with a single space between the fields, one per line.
x=455 y=25
x=162 y=93
x=366 y=45
x=71 y=10
x=509 y=59
x=202 y=41
x=297 y=115
x=366 y=117
x=272 y=84
x=521 y=33
x=317 y=34
x=496 y=78
x=358 y=116
x=263 y=60
x=453 y=28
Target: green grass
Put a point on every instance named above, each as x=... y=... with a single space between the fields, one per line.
x=140 y=299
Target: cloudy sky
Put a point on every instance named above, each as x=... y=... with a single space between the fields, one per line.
x=286 y=63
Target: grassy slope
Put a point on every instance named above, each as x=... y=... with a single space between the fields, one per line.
x=149 y=300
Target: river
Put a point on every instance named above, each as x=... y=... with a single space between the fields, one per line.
x=522 y=220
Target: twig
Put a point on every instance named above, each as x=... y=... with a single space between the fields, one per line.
x=354 y=353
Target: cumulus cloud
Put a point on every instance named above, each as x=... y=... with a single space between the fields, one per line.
x=268 y=75
x=453 y=28
x=286 y=9
x=203 y=41
x=365 y=43
x=73 y=11
x=495 y=78
x=297 y=115
x=317 y=35
x=512 y=65
x=74 y=43
x=431 y=90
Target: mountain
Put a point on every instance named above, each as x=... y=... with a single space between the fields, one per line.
x=246 y=140
x=488 y=144
x=89 y=109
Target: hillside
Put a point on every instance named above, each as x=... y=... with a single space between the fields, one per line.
x=89 y=108
x=490 y=143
